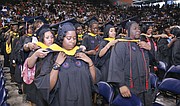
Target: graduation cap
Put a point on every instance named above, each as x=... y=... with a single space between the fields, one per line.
x=64 y=26
x=123 y=23
x=107 y=26
x=33 y=19
x=71 y=20
x=44 y=28
x=91 y=21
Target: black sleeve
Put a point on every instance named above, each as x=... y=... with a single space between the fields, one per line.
x=101 y=60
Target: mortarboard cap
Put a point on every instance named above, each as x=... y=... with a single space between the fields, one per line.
x=123 y=23
x=67 y=25
x=107 y=26
x=91 y=21
x=42 y=30
x=32 y=20
x=56 y=26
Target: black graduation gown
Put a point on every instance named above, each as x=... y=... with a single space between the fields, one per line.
x=164 y=53
x=6 y=56
x=103 y=62
x=119 y=68
x=176 y=52
x=74 y=84
x=91 y=43
x=152 y=53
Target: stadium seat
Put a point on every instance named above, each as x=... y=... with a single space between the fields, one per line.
x=153 y=80
x=106 y=90
x=3 y=95
x=162 y=68
x=171 y=84
x=132 y=101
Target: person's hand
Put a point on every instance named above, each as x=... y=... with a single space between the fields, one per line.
x=60 y=58
x=125 y=92
x=83 y=57
x=144 y=45
x=41 y=53
x=112 y=43
x=82 y=47
x=32 y=46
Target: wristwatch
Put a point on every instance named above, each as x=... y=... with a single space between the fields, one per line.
x=56 y=66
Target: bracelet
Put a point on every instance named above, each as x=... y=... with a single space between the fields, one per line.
x=57 y=63
x=91 y=65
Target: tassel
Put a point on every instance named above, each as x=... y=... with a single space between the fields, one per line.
x=147 y=84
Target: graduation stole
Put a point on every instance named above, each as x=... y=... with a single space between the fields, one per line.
x=80 y=37
x=57 y=48
x=29 y=34
x=8 y=48
x=109 y=39
x=14 y=35
x=145 y=66
x=91 y=34
x=121 y=40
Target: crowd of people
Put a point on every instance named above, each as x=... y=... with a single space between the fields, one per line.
x=57 y=53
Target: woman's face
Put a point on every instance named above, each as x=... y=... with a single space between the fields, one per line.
x=48 y=38
x=112 y=33
x=69 y=41
x=30 y=29
x=149 y=31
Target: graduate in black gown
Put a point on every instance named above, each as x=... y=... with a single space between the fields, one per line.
x=176 y=46
x=146 y=36
x=175 y=56
x=92 y=40
x=129 y=66
x=35 y=60
x=164 y=51
x=11 y=38
x=67 y=79
x=104 y=52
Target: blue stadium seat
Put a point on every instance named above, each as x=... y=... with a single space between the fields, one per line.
x=162 y=66
x=171 y=84
x=2 y=83
x=3 y=96
x=106 y=90
x=132 y=101
x=153 y=80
